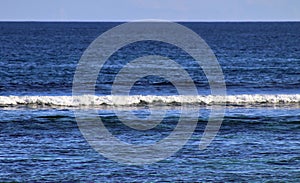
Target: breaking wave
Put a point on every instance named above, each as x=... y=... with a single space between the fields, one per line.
x=136 y=100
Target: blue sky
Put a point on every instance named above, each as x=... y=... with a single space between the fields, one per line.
x=126 y=10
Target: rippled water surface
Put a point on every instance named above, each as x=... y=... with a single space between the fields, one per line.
x=254 y=144
x=258 y=142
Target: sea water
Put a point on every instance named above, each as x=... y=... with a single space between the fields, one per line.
x=258 y=139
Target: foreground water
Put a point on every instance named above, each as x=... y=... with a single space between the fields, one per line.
x=254 y=144
x=258 y=140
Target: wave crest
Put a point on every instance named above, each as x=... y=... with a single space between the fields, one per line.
x=135 y=100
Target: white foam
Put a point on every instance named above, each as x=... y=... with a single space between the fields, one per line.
x=133 y=100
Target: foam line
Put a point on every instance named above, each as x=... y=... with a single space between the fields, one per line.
x=135 y=100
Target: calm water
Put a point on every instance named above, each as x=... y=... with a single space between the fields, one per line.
x=256 y=143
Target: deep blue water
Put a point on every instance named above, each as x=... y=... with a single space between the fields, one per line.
x=254 y=144
x=41 y=58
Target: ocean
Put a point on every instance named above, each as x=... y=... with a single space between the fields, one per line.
x=42 y=140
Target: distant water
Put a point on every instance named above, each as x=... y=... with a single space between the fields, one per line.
x=259 y=136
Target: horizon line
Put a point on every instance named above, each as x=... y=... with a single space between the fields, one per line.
x=122 y=21
x=119 y=21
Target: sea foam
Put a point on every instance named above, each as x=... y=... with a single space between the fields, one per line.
x=136 y=100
